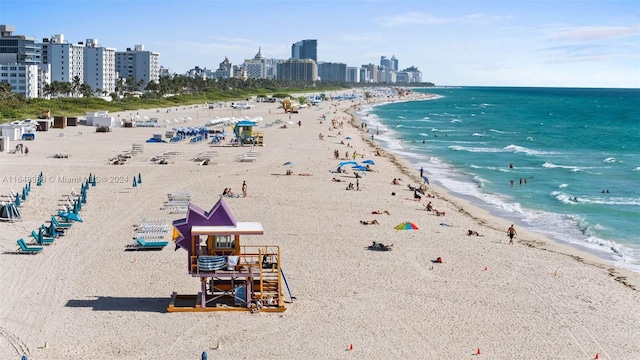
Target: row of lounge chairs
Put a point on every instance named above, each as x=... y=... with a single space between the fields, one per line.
x=122 y=158
x=249 y=156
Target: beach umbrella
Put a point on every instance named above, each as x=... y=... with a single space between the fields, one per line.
x=17 y=202
x=134 y=183
x=288 y=163
x=348 y=163
x=425 y=179
x=359 y=168
x=25 y=357
x=407 y=225
x=40 y=238
x=370 y=162
x=139 y=178
x=204 y=355
x=348 y=138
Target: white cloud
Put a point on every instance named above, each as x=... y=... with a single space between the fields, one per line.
x=594 y=33
x=421 y=18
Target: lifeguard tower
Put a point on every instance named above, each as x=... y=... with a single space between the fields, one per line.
x=243 y=131
x=233 y=277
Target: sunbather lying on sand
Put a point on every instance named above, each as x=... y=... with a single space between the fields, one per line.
x=380 y=247
x=473 y=232
x=380 y=212
x=395 y=182
x=369 y=222
x=336 y=180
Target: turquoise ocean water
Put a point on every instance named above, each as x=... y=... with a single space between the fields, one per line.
x=569 y=145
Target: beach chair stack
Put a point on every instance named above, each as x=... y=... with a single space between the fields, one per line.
x=249 y=156
x=207 y=157
x=164 y=157
x=150 y=234
x=177 y=202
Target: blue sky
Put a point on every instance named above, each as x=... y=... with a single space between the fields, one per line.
x=589 y=43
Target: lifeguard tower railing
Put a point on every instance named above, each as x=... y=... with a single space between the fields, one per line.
x=257 y=265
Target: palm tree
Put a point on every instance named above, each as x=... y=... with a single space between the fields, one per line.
x=75 y=86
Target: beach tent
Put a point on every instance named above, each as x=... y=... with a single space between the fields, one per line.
x=9 y=212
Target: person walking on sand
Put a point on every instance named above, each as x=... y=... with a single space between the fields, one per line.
x=511 y=231
x=244 y=189
x=26 y=151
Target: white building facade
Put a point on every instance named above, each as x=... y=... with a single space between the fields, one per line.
x=28 y=80
x=66 y=59
x=138 y=64
x=100 y=67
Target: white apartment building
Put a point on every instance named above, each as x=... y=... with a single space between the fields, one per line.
x=66 y=59
x=138 y=64
x=28 y=80
x=100 y=67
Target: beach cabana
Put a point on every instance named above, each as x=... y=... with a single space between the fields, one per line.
x=232 y=276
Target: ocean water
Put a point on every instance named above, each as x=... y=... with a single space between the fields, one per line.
x=573 y=156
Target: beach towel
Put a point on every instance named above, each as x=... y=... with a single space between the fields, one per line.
x=232 y=261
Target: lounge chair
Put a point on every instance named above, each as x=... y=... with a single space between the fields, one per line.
x=27 y=249
x=60 y=225
x=45 y=240
x=142 y=244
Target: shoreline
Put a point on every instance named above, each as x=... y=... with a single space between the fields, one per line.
x=84 y=296
x=485 y=217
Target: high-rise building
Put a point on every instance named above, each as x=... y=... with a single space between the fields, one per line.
x=372 y=70
x=305 y=49
x=353 y=74
x=17 y=49
x=394 y=63
x=20 y=64
x=257 y=67
x=410 y=75
x=66 y=59
x=297 y=70
x=138 y=64
x=385 y=63
x=100 y=67
x=336 y=72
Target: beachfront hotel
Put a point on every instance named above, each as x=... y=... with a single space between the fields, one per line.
x=140 y=64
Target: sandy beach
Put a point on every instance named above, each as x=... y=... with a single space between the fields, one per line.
x=85 y=297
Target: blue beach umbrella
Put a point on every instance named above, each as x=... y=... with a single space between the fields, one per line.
x=139 y=178
x=17 y=202
x=204 y=355
x=134 y=183
x=348 y=163
x=425 y=179
x=348 y=138
x=370 y=162
x=288 y=163
x=359 y=168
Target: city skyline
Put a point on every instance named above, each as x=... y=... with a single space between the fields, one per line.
x=484 y=43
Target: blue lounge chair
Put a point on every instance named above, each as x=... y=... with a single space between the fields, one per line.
x=27 y=249
x=142 y=244
x=41 y=239
x=60 y=225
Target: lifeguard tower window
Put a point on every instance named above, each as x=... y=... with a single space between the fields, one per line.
x=224 y=241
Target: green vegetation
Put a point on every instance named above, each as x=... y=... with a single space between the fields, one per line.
x=168 y=92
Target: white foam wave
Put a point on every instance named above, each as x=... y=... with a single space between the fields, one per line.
x=530 y=138
x=637 y=169
x=456 y=121
x=477 y=134
x=609 y=160
x=522 y=149
x=500 y=132
x=549 y=165
x=562 y=186
x=475 y=149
